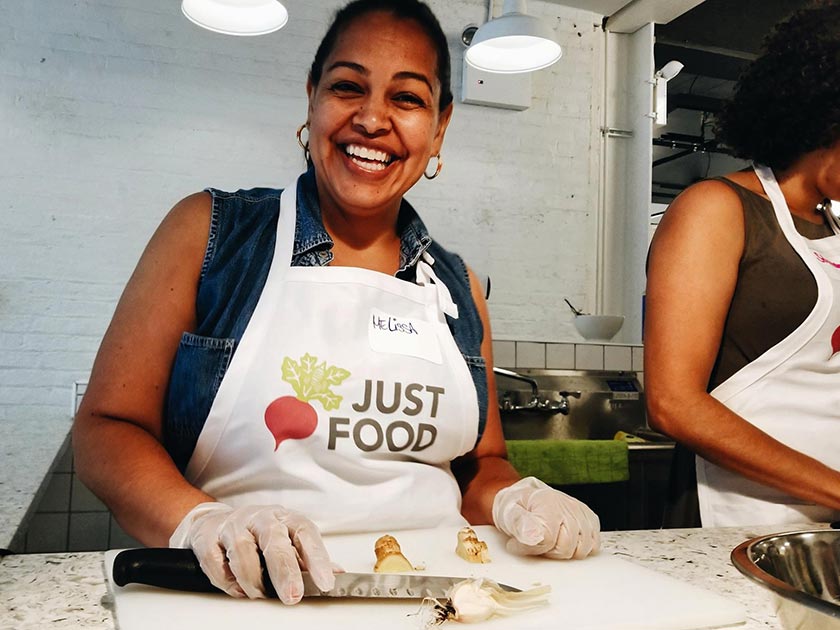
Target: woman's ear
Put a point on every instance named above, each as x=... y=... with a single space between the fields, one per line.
x=310 y=91
x=443 y=123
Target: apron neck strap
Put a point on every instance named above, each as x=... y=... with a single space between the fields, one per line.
x=287 y=223
x=777 y=197
x=425 y=275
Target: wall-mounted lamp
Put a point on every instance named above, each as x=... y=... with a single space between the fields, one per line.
x=237 y=17
x=514 y=42
x=660 y=90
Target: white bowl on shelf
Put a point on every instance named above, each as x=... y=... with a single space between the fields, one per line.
x=598 y=327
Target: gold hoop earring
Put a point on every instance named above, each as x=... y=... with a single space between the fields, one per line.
x=437 y=168
x=304 y=145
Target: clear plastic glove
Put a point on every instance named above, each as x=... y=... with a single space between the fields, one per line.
x=542 y=521
x=227 y=542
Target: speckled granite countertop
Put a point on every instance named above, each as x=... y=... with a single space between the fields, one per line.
x=69 y=591
x=29 y=452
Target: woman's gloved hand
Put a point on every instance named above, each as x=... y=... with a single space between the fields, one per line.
x=227 y=542
x=543 y=521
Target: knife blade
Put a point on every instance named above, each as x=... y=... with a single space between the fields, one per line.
x=179 y=569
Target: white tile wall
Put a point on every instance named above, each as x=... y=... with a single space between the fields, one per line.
x=560 y=356
x=530 y=354
x=568 y=356
x=504 y=353
x=638 y=358
x=88 y=531
x=48 y=532
x=589 y=357
x=618 y=358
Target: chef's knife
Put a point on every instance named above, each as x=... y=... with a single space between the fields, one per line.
x=179 y=569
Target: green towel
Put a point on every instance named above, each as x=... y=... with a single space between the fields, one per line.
x=564 y=462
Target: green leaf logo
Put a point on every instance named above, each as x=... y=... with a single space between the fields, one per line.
x=312 y=380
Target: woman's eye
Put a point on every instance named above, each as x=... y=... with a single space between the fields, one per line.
x=410 y=99
x=345 y=87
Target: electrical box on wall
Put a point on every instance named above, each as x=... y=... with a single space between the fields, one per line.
x=508 y=91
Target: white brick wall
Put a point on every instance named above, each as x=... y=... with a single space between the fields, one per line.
x=112 y=110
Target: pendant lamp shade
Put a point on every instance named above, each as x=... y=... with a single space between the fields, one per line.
x=514 y=42
x=237 y=17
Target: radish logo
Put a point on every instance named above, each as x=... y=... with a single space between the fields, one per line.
x=835 y=342
x=292 y=417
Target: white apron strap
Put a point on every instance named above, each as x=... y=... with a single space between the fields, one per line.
x=287 y=224
x=425 y=275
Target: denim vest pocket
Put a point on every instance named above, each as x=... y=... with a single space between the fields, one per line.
x=478 y=371
x=198 y=369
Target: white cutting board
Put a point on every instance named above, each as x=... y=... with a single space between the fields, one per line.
x=602 y=592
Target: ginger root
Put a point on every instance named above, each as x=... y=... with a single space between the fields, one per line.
x=470 y=548
x=389 y=557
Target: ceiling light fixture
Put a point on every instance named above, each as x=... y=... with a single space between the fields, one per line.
x=236 y=17
x=514 y=42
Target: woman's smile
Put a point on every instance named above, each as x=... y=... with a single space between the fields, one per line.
x=368 y=158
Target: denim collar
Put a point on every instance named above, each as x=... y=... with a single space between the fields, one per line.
x=313 y=245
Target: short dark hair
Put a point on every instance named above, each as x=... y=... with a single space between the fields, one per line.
x=787 y=102
x=402 y=9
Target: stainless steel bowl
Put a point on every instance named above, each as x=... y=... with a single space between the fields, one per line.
x=801 y=570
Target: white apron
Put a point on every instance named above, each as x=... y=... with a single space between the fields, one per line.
x=346 y=399
x=791 y=392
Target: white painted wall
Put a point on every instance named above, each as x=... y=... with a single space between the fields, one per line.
x=112 y=110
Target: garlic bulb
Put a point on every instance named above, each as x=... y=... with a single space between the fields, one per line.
x=479 y=599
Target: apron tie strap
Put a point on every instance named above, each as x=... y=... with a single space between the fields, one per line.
x=425 y=275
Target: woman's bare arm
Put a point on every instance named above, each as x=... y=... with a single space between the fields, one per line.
x=118 y=428
x=485 y=470
x=691 y=279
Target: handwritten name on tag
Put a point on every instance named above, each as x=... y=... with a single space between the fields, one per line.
x=403 y=335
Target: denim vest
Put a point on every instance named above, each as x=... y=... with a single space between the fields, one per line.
x=243 y=228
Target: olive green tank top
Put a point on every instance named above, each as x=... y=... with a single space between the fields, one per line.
x=774 y=293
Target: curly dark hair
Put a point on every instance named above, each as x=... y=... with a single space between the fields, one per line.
x=787 y=101
x=403 y=9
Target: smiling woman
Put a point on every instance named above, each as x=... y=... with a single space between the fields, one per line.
x=235 y=385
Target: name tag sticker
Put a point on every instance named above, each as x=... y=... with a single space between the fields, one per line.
x=403 y=335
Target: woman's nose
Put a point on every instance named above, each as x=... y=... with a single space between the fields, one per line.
x=372 y=118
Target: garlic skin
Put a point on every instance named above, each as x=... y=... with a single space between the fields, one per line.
x=479 y=599
x=470 y=548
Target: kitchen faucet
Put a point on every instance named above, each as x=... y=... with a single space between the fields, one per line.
x=535 y=404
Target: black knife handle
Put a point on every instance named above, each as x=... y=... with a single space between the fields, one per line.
x=176 y=569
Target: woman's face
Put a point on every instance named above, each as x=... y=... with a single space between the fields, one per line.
x=374 y=119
